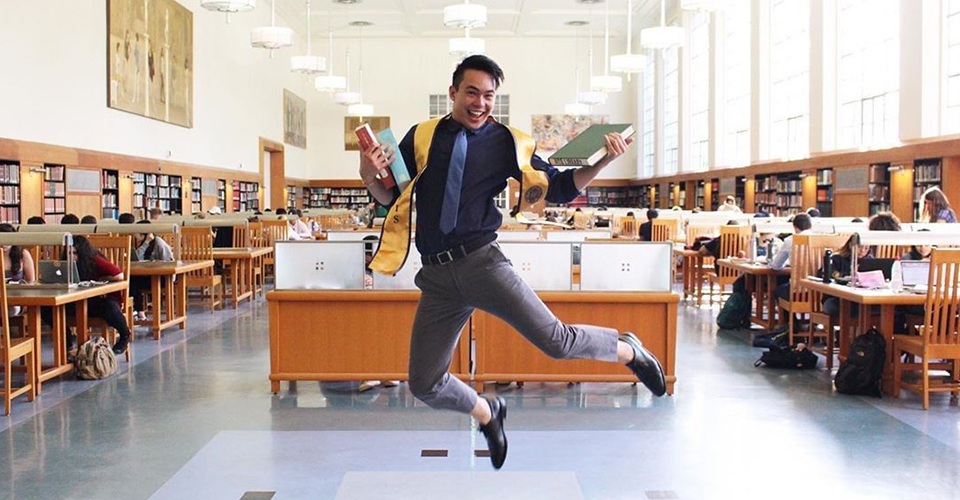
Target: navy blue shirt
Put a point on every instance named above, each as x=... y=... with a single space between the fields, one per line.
x=491 y=160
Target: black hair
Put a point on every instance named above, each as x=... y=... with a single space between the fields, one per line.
x=479 y=63
x=813 y=212
x=802 y=222
x=36 y=220
x=69 y=219
x=88 y=219
x=629 y=214
x=126 y=218
x=86 y=253
x=16 y=253
x=652 y=214
x=280 y=211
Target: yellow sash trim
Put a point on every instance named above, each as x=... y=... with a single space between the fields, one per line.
x=395 y=236
x=533 y=183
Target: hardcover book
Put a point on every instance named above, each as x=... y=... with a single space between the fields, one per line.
x=590 y=146
x=366 y=138
x=399 y=167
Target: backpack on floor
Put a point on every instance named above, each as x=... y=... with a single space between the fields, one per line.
x=95 y=360
x=788 y=358
x=861 y=373
x=778 y=337
x=735 y=312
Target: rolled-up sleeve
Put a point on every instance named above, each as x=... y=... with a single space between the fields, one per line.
x=562 y=187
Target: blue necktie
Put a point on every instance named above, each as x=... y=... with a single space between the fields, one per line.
x=451 y=195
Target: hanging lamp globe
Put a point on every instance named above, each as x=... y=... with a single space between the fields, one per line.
x=347 y=98
x=465 y=15
x=628 y=63
x=330 y=83
x=360 y=109
x=590 y=97
x=308 y=65
x=466 y=47
x=606 y=83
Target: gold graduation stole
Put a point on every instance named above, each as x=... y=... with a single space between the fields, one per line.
x=395 y=235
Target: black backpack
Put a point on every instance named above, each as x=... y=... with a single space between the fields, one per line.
x=862 y=372
x=736 y=311
x=789 y=358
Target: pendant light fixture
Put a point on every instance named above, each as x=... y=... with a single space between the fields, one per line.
x=360 y=109
x=466 y=16
x=576 y=107
x=229 y=6
x=606 y=82
x=663 y=36
x=271 y=37
x=308 y=64
x=628 y=63
x=330 y=82
x=590 y=97
x=347 y=97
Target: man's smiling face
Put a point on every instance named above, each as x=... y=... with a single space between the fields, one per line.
x=473 y=101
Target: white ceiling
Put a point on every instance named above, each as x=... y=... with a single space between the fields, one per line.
x=424 y=18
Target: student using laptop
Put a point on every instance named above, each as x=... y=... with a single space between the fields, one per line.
x=93 y=266
x=147 y=247
x=801 y=223
x=18 y=263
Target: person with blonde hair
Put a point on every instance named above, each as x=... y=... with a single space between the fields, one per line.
x=729 y=205
x=935 y=207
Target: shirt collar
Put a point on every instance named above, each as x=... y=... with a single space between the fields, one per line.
x=455 y=126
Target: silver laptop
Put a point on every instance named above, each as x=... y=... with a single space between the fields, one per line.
x=915 y=273
x=56 y=272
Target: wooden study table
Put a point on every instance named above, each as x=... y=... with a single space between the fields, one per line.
x=346 y=335
x=886 y=299
x=692 y=269
x=241 y=262
x=503 y=354
x=162 y=275
x=33 y=297
x=761 y=280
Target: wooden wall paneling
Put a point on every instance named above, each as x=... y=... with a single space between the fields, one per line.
x=749 y=189
x=809 y=189
x=950 y=180
x=850 y=204
x=208 y=202
x=125 y=190
x=83 y=204
x=901 y=193
x=707 y=195
x=691 y=200
x=31 y=191
x=229 y=207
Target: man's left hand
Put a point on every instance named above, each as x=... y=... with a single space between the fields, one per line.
x=616 y=146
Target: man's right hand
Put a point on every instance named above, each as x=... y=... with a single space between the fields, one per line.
x=373 y=159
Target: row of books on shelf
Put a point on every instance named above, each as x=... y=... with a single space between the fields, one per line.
x=162 y=192
x=109 y=200
x=918 y=191
x=195 y=207
x=789 y=186
x=825 y=195
x=9 y=173
x=349 y=199
x=54 y=173
x=242 y=196
x=768 y=184
x=10 y=215
x=54 y=205
x=110 y=213
x=879 y=192
x=876 y=208
x=108 y=179
x=245 y=186
x=824 y=177
x=162 y=180
x=165 y=205
x=195 y=196
x=10 y=195
x=789 y=200
x=926 y=172
x=54 y=189
x=139 y=201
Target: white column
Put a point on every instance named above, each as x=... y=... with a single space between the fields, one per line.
x=920 y=69
x=716 y=86
x=658 y=106
x=683 y=103
x=759 y=80
x=823 y=75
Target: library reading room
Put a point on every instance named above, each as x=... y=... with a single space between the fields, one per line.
x=720 y=261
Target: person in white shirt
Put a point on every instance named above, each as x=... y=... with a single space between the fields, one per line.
x=801 y=222
x=730 y=205
x=302 y=229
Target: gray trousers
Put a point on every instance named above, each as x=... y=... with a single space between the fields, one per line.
x=485 y=280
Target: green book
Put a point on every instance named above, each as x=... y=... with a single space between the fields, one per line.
x=589 y=147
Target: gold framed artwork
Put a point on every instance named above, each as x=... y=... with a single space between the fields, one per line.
x=552 y=132
x=350 y=124
x=150 y=59
x=294 y=119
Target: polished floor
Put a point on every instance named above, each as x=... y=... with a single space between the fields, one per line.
x=194 y=419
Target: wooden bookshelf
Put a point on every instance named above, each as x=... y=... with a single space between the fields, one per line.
x=878 y=188
x=714 y=195
x=926 y=174
x=9 y=192
x=766 y=194
x=109 y=194
x=789 y=194
x=222 y=194
x=825 y=192
x=164 y=192
x=139 y=196
x=246 y=196
x=54 y=192
x=291 y=197
x=701 y=194
x=741 y=193
x=196 y=195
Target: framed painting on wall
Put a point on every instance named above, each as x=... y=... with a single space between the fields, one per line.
x=294 y=119
x=350 y=124
x=552 y=132
x=150 y=59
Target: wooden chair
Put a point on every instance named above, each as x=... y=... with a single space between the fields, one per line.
x=806 y=259
x=580 y=220
x=890 y=251
x=733 y=240
x=12 y=349
x=116 y=249
x=939 y=336
x=628 y=227
x=197 y=244
x=695 y=231
x=257 y=240
x=273 y=230
x=663 y=230
x=827 y=324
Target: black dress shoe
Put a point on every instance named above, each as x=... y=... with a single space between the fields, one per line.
x=493 y=431
x=645 y=365
x=121 y=346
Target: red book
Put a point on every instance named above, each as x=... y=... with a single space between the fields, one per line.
x=366 y=138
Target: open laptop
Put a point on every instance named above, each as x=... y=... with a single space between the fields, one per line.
x=884 y=265
x=55 y=272
x=915 y=273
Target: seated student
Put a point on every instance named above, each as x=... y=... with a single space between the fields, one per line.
x=646 y=229
x=801 y=223
x=918 y=252
x=574 y=216
x=292 y=234
x=729 y=205
x=280 y=211
x=936 y=207
x=36 y=220
x=301 y=227
x=18 y=263
x=69 y=219
x=88 y=219
x=154 y=213
x=813 y=212
x=842 y=261
x=126 y=218
x=147 y=247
